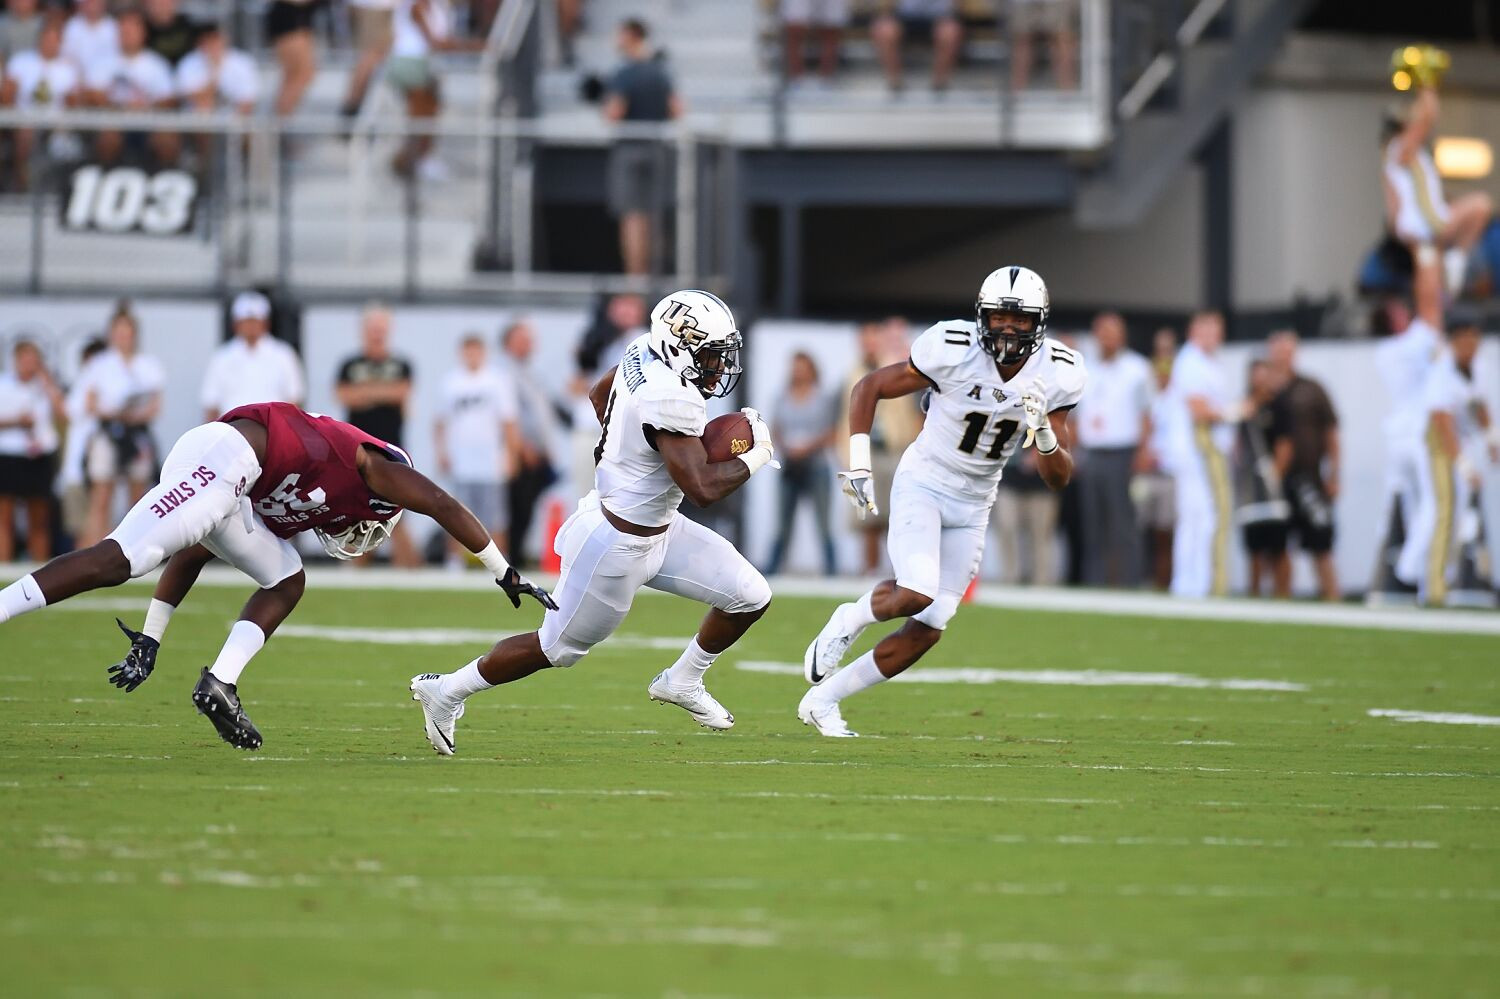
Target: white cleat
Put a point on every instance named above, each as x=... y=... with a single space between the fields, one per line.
x=440 y=715
x=826 y=653
x=697 y=702
x=824 y=716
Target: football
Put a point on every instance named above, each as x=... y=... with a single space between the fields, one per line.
x=727 y=436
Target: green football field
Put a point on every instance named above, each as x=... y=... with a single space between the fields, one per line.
x=1237 y=823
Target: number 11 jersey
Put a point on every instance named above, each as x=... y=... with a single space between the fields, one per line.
x=974 y=418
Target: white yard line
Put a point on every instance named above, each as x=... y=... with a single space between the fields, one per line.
x=1062 y=677
x=1124 y=603
x=1434 y=717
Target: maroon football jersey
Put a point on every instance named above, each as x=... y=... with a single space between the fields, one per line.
x=309 y=478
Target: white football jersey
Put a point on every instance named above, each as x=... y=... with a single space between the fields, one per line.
x=974 y=417
x=631 y=477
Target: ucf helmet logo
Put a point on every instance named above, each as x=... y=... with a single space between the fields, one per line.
x=681 y=321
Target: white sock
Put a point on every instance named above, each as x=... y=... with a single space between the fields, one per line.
x=1455 y=269
x=461 y=683
x=245 y=640
x=158 y=615
x=858 y=675
x=687 y=672
x=858 y=616
x=21 y=597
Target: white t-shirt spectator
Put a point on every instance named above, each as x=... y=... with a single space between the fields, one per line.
x=475 y=405
x=239 y=375
x=41 y=83
x=119 y=383
x=1119 y=395
x=235 y=80
x=81 y=429
x=407 y=41
x=88 y=44
x=124 y=79
x=17 y=399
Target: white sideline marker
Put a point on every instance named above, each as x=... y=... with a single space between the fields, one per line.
x=1052 y=677
x=1434 y=717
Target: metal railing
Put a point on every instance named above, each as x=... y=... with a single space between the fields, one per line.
x=265 y=214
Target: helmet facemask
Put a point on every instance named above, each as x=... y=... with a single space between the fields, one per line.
x=1008 y=330
x=715 y=368
x=358 y=539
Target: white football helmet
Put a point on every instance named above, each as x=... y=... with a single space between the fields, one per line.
x=364 y=536
x=693 y=332
x=1010 y=294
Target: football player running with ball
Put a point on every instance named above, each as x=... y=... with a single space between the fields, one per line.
x=990 y=379
x=627 y=533
x=240 y=489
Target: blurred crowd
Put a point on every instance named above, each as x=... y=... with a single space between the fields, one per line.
x=1176 y=462
x=162 y=55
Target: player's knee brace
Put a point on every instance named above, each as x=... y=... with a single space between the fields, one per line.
x=938 y=613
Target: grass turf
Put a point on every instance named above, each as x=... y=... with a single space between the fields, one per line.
x=1005 y=839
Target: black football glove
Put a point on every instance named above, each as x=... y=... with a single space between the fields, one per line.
x=517 y=586
x=132 y=671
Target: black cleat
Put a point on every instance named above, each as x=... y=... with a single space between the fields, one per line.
x=219 y=702
x=132 y=671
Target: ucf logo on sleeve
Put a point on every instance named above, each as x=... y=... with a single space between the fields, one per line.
x=681 y=321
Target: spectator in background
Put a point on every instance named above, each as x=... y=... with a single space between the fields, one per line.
x=253 y=366
x=1201 y=415
x=1056 y=23
x=374 y=387
x=824 y=19
x=30 y=405
x=81 y=429
x=536 y=421
x=215 y=75
x=640 y=92
x=1025 y=520
x=1260 y=509
x=421 y=27
x=289 y=31
x=20 y=28
x=804 y=422
x=91 y=37
x=896 y=426
x=372 y=40
x=37 y=79
x=1153 y=490
x=619 y=319
x=1113 y=419
x=477 y=439
x=1307 y=459
x=136 y=79
x=924 y=20
x=124 y=396
x=169 y=32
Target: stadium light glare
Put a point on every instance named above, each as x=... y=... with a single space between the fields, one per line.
x=1463 y=157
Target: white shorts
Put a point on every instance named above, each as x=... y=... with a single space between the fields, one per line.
x=201 y=498
x=1413 y=226
x=603 y=568
x=936 y=541
x=824 y=13
x=102 y=461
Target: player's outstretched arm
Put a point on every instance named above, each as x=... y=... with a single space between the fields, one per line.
x=890 y=382
x=409 y=489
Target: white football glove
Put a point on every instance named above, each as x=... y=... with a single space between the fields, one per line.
x=859 y=485
x=1038 y=427
x=762 y=451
